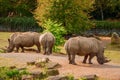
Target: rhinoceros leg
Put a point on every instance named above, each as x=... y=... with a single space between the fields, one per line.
x=90 y=58
x=50 y=50
x=47 y=50
x=44 y=51
x=17 y=48
x=73 y=59
x=69 y=58
x=85 y=58
x=22 y=49
x=39 y=48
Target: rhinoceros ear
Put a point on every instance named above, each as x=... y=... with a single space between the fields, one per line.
x=8 y=40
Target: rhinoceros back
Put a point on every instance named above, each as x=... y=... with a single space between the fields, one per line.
x=82 y=46
x=24 y=39
x=47 y=39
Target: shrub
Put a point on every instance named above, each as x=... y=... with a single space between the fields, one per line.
x=3 y=74
x=8 y=74
x=19 y=24
x=57 y=30
x=70 y=77
x=107 y=25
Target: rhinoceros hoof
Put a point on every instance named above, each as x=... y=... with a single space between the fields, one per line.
x=90 y=63
x=74 y=63
x=84 y=62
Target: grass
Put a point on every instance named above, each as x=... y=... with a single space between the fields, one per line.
x=4 y=39
x=112 y=52
x=113 y=55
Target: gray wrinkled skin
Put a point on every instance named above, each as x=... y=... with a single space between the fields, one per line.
x=84 y=46
x=47 y=41
x=20 y=40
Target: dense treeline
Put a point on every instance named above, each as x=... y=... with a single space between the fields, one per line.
x=11 y=8
x=17 y=15
x=19 y=24
x=75 y=16
x=106 y=9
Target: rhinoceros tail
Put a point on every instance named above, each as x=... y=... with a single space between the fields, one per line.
x=66 y=48
x=47 y=47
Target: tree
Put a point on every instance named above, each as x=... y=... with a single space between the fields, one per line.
x=105 y=9
x=71 y=13
x=17 y=7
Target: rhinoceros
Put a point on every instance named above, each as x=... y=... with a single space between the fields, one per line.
x=21 y=40
x=84 y=46
x=47 y=41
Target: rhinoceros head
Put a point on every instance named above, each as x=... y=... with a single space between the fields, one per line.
x=100 y=57
x=10 y=46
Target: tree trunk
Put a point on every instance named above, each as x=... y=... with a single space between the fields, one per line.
x=102 y=14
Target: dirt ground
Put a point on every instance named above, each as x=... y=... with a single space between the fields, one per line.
x=108 y=71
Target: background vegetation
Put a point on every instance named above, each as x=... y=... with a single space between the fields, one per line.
x=19 y=24
x=75 y=16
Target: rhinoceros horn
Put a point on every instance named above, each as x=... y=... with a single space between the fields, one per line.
x=106 y=60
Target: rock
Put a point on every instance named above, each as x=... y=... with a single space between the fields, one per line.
x=2 y=79
x=44 y=60
x=41 y=62
x=52 y=72
x=36 y=74
x=115 y=39
x=52 y=65
x=12 y=67
x=90 y=77
x=58 y=77
x=22 y=68
x=31 y=63
x=27 y=77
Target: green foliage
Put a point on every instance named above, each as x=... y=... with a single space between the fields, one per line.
x=7 y=73
x=71 y=14
x=83 y=78
x=57 y=30
x=19 y=24
x=12 y=73
x=3 y=71
x=107 y=25
x=17 y=7
x=70 y=77
x=1 y=51
x=106 y=9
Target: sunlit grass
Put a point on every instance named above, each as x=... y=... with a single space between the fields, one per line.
x=4 y=38
x=113 y=55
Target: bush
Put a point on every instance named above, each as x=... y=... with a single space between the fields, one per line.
x=3 y=74
x=57 y=30
x=8 y=74
x=107 y=25
x=19 y=24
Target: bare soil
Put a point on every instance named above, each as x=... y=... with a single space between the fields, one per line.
x=109 y=71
